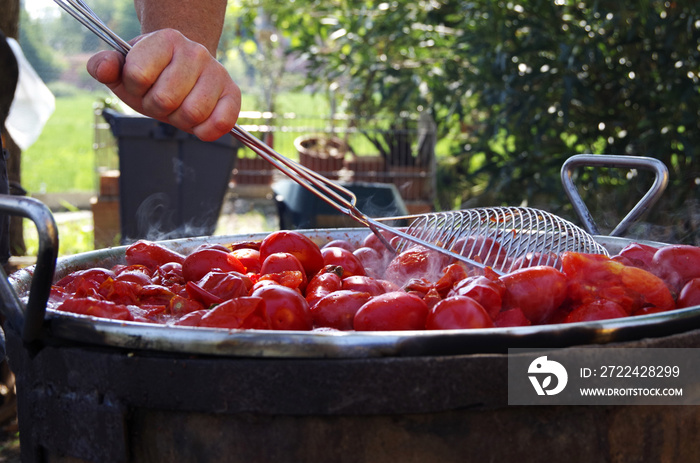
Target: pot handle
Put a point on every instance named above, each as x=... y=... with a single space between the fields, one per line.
x=615 y=161
x=29 y=321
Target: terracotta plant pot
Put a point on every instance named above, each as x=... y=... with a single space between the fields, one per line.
x=252 y=171
x=321 y=154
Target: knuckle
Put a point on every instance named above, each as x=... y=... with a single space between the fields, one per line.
x=159 y=102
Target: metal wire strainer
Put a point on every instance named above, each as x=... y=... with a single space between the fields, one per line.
x=501 y=238
x=504 y=238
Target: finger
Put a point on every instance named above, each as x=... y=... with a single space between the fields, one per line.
x=146 y=61
x=212 y=84
x=221 y=120
x=106 y=67
x=183 y=75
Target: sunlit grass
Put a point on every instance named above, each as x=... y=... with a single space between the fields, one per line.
x=74 y=236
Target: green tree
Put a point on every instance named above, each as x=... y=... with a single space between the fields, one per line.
x=518 y=87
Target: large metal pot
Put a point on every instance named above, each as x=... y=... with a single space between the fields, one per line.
x=108 y=391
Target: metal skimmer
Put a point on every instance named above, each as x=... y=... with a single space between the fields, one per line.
x=488 y=234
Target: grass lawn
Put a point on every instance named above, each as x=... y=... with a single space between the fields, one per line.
x=62 y=158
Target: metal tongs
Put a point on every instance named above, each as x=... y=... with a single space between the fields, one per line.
x=513 y=231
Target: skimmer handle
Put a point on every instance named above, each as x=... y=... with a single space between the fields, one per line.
x=614 y=161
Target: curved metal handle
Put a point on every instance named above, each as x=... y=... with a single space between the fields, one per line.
x=615 y=161
x=28 y=320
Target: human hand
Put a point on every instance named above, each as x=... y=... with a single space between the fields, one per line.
x=172 y=79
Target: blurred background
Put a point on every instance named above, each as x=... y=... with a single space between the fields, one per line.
x=482 y=101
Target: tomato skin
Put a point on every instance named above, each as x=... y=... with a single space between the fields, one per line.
x=179 y=306
x=225 y=285
x=285 y=269
x=689 y=295
x=250 y=258
x=394 y=311
x=321 y=285
x=337 y=309
x=88 y=278
x=596 y=310
x=168 y=274
x=537 y=291
x=301 y=246
x=151 y=254
x=372 y=261
x=373 y=241
x=240 y=313
x=340 y=257
x=363 y=284
x=594 y=277
x=677 y=264
x=203 y=261
x=511 y=317
x=415 y=262
x=458 y=312
x=637 y=255
x=489 y=293
x=120 y=292
x=97 y=308
x=286 y=308
x=339 y=244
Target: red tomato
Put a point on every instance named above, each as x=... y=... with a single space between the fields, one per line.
x=415 y=262
x=373 y=241
x=155 y=295
x=637 y=255
x=363 y=284
x=197 y=293
x=89 y=278
x=151 y=255
x=281 y=262
x=286 y=308
x=339 y=244
x=595 y=277
x=121 y=292
x=201 y=262
x=250 y=258
x=341 y=257
x=481 y=249
x=337 y=309
x=239 y=313
x=225 y=285
x=457 y=312
x=321 y=285
x=453 y=273
x=372 y=261
x=677 y=264
x=511 y=317
x=135 y=276
x=395 y=311
x=489 y=293
x=596 y=310
x=533 y=259
x=179 y=306
x=103 y=309
x=301 y=246
x=169 y=274
x=690 y=294
x=537 y=291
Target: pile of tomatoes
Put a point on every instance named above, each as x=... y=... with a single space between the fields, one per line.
x=287 y=282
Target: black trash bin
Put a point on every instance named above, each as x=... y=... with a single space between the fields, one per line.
x=171 y=184
x=298 y=208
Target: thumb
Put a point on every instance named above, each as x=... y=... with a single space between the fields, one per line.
x=106 y=67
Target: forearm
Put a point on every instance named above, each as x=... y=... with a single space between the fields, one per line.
x=199 y=20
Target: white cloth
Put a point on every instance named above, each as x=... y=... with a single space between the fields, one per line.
x=33 y=103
